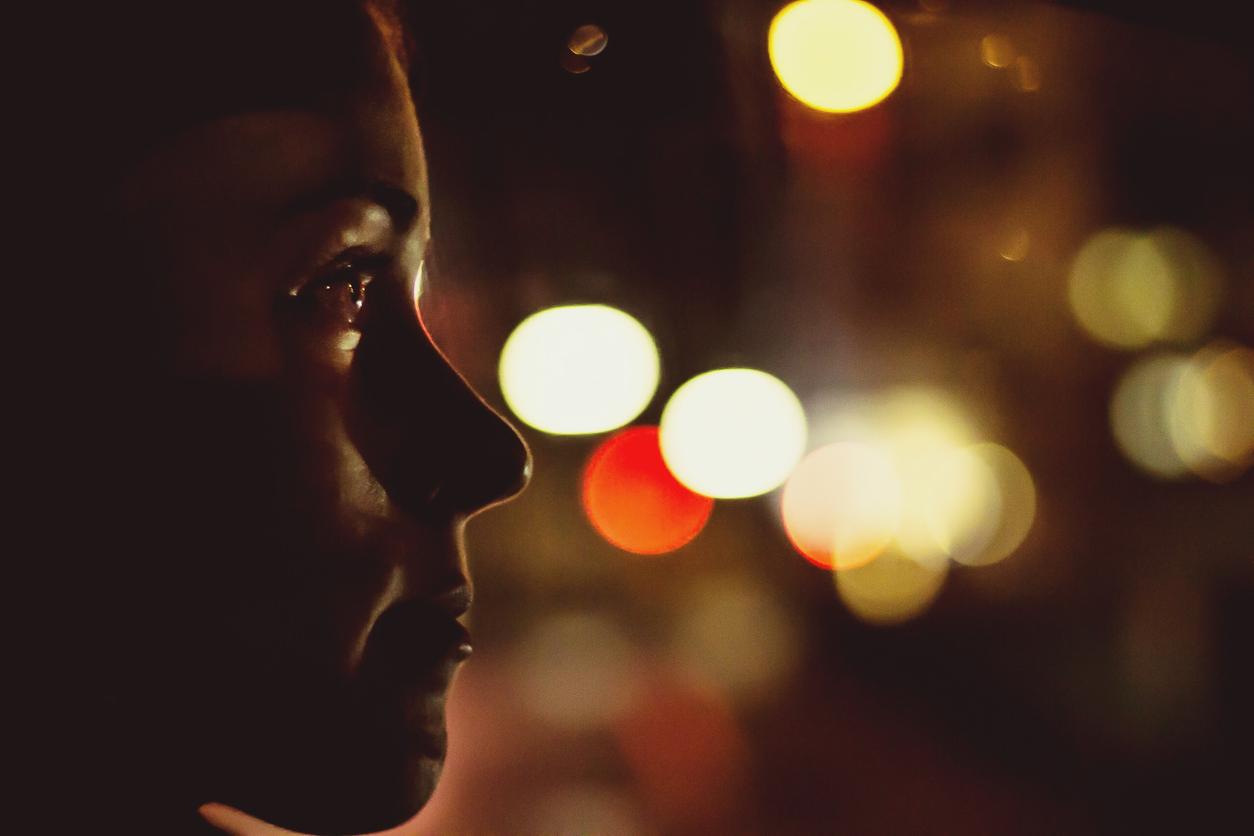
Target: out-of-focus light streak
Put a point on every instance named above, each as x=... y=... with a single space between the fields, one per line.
x=1130 y=289
x=579 y=369
x=634 y=501
x=733 y=433
x=890 y=589
x=835 y=55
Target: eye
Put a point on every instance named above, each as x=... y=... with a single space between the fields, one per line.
x=335 y=297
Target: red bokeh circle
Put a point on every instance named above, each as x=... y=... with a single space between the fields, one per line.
x=634 y=501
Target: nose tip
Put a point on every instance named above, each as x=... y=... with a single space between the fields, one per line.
x=496 y=467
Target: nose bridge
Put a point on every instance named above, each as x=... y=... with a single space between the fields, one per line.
x=439 y=451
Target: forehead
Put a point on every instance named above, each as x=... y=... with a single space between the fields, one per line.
x=254 y=163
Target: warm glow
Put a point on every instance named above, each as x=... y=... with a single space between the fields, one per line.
x=1140 y=413
x=1129 y=289
x=890 y=589
x=578 y=369
x=996 y=51
x=919 y=429
x=735 y=633
x=577 y=670
x=587 y=40
x=1211 y=416
x=733 y=433
x=632 y=499
x=835 y=55
x=1017 y=506
x=963 y=505
x=842 y=505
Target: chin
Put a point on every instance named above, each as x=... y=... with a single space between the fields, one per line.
x=339 y=784
x=324 y=810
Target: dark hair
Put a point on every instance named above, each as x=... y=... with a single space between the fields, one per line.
x=144 y=69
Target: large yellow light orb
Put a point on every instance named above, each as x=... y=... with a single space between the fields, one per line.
x=733 y=433
x=579 y=369
x=835 y=55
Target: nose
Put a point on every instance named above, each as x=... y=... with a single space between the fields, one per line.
x=438 y=450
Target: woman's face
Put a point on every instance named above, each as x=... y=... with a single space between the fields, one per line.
x=308 y=459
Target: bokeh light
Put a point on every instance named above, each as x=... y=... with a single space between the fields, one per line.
x=736 y=634
x=996 y=51
x=835 y=55
x=955 y=498
x=634 y=501
x=1140 y=411
x=1017 y=507
x=890 y=589
x=578 y=369
x=1211 y=416
x=577 y=670
x=1027 y=74
x=842 y=505
x=587 y=40
x=1129 y=289
x=733 y=433
x=921 y=429
x=963 y=505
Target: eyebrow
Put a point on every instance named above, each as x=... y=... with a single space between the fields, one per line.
x=400 y=205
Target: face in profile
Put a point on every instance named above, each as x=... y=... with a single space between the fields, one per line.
x=303 y=460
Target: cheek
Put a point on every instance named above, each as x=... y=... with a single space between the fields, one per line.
x=220 y=318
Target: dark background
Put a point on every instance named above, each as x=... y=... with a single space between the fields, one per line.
x=1101 y=679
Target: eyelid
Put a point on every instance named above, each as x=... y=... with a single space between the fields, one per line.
x=366 y=261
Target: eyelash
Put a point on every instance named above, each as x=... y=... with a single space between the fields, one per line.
x=354 y=270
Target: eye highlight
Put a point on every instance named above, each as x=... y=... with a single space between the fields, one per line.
x=334 y=297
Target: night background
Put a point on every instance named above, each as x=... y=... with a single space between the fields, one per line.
x=921 y=252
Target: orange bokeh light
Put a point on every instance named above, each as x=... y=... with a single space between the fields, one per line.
x=842 y=505
x=632 y=499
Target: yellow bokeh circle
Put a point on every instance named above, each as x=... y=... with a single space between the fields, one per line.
x=579 y=369
x=835 y=55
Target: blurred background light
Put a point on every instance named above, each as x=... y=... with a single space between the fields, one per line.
x=963 y=505
x=1015 y=246
x=634 y=501
x=1129 y=289
x=578 y=369
x=1211 y=416
x=890 y=589
x=996 y=51
x=577 y=670
x=842 y=505
x=735 y=633
x=918 y=429
x=587 y=40
x=733 y=433
x=1017 y=507
x=1140 y=410
x=1027 y=74
x=835 y=55
x=590 y=808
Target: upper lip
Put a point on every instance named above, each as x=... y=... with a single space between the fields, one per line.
x=419 y=640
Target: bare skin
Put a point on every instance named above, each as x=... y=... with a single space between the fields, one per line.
x=311 y=461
